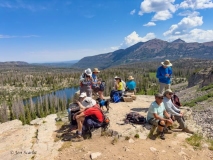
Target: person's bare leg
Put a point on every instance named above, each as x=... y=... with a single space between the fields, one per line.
x=80 y=122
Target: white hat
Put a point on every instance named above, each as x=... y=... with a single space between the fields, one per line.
x=83 y=94
x=116 y=77
x=166 y=63
x=88 y=72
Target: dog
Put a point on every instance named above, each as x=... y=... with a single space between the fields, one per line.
x=103 y=103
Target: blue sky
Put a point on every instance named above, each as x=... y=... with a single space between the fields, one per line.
x=63 y=30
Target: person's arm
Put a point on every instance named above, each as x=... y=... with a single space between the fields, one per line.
x=169 y=108
x=175 y=108
x=167 y=116
x=160 y=118
x=79 y=115
x=80 y=105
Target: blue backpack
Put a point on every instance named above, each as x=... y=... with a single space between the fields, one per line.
x=116 y=97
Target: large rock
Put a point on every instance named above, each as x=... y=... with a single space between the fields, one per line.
x=16 y=141
x=202 y=78
x=29 y=142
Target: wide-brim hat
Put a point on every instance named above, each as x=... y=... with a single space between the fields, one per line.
x=116 y=77
x=95 y=70
x=166 y=63
x=167 y=91
x=88 y=72
x=130 y=78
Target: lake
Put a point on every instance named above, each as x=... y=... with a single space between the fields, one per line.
x=66 y=92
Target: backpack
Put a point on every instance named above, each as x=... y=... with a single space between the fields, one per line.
x=176 y=101
x=102 y=85
x=124 y=85
x=134 y=117
x=116 y=97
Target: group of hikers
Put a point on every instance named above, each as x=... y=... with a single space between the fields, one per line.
x=88 y=113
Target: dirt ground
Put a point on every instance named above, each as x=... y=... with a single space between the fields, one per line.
x=174 y=147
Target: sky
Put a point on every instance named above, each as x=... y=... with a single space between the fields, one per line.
x=64 y=30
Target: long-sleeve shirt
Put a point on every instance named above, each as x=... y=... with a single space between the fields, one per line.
x=161 y=72
x=170 y=107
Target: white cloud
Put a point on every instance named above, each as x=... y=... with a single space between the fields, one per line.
x=132 y=12
x=196 y=4
x=195 y=35
x=186 y=23
x=134 y=38
x=162 y=15
x=149 y=24
x=162 y=8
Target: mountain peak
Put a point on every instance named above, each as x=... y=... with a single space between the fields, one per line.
x=178 y=41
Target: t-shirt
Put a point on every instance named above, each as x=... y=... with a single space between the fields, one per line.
x=155 y=108
x=88 y=102
x=120 y=88
x=94 y=111
x=131 y=85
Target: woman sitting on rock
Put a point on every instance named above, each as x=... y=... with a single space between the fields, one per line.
x=118 y=87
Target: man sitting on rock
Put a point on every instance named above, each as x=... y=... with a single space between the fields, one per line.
x=158 y=116
x=175 y=113
x=89 y=117
x=130 y=85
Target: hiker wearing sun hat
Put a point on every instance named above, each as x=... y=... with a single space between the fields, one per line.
x=86 y=82
x=164 y=73
x=130 y=84
x=175 y=113
x=97 y=83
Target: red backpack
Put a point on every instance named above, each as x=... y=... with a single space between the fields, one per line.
x=176 y=101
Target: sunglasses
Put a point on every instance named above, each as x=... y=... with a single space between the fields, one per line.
x=170 y=94
x=160 y=97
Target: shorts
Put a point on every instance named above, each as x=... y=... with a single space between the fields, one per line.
x=153 y=121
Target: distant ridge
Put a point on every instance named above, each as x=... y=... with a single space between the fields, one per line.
x=152 y=50
x=63 y=64
x=14 y=63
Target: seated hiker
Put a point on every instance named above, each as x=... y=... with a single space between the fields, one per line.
x=96 y=83
x=130 y=84
x=118 y=87
x=86 y=82
x=175 y=113
x=90 y=117
x=84 y=102
x=158 y=116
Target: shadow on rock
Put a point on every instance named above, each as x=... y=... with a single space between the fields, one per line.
x=140 y=109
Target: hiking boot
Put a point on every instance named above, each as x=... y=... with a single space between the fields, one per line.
x=78 y=138
x=167 y=131
x=187 y=131
x=162 y=136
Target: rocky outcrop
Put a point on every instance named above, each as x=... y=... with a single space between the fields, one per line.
x=29 y=141
x=202 y=78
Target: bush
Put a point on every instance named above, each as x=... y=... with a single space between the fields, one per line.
x=195 y=140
